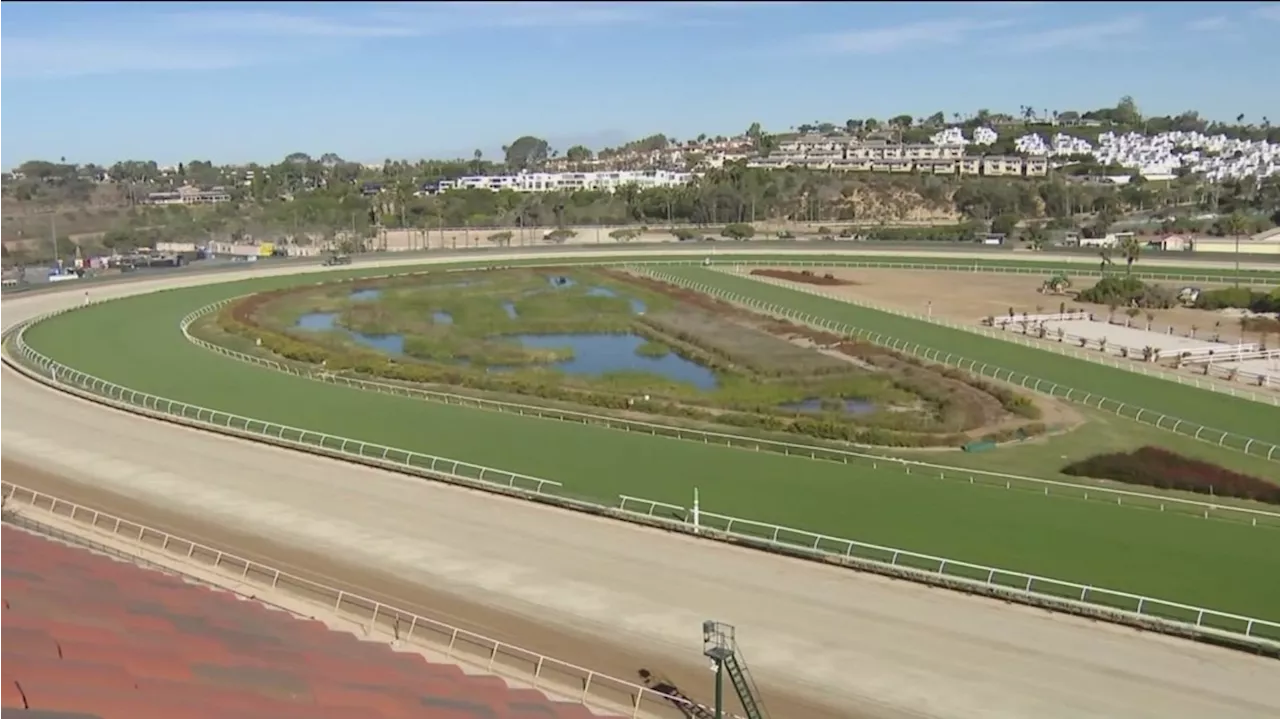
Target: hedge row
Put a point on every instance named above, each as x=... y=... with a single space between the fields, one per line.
x=1155 y=467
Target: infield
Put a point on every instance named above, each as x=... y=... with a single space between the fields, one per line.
x=1213 y=409
x=1225 y=565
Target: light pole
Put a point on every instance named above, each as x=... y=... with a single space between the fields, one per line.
x=1237 y=260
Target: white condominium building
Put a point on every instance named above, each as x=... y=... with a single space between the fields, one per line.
x=569 y=181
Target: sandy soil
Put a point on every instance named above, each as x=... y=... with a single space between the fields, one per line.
x=815 y=635
x=969 y=298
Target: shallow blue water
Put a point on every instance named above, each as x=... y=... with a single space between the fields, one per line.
x=510 y=308
x=596 y=354
x=813 y=404
x=366 y=295
x=441 y=318
x=637 y=306
x=327 y=322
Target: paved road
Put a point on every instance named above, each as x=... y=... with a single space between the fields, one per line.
x=824 y=642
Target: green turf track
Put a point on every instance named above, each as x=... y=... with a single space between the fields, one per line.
x=1256 y=277
x=1212 y=409
x=1222 y=565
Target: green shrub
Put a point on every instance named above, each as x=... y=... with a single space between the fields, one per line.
x=1126 y=291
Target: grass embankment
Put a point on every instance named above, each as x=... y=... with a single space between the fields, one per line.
x=1225 y=565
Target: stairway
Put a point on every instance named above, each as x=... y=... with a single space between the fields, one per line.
x=744 y=686
x=720 y=644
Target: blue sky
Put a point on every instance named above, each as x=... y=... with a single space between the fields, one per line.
x=254 y=81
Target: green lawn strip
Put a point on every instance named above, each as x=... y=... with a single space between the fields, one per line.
x=1033 y=458
x=1019 y=266
x=1211 y=409
x=1227 y=566
x=1102 y=433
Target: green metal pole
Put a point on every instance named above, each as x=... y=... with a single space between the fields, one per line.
x=719 y=689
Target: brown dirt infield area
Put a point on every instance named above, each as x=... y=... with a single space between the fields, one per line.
x=968 y=297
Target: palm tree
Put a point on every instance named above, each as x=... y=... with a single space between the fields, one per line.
x=1036 y=236
x=1132 y=249
x=1235 y=225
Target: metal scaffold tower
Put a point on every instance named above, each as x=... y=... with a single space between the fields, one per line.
x=720 y=646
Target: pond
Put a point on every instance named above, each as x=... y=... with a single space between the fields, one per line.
x=328 y=322
x=365 y=295
x=845 y=406
x=597 y=354
x=510 y=308
x=637 y=306
x=559 y=281
x=593 y=354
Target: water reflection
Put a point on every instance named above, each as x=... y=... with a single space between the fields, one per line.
x=842 y=405
x=597 y=354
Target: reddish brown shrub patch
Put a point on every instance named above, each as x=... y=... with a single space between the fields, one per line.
x=804 y=277
x=1155 y=467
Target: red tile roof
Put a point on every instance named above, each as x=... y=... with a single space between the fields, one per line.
x=88 y=637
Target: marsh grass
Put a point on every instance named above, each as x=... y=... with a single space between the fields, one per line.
x=757 y=372
x=652 y=349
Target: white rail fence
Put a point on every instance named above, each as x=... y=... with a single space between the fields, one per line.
x=1137 y=610
x=1048 y=343
x=1058 y=339
x=1128 y=608
x=557 y=679
x=985 y=265
x=1049 y=487
x=710 y=523
x=1184 y=427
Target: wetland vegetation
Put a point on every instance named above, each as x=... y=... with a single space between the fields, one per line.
x=622 y=344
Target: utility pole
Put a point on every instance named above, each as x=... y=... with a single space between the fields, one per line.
x=53 y=237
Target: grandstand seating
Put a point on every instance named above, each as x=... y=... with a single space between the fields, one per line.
x=89 y=637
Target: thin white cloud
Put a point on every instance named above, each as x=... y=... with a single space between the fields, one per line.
x=1213 y=23
x=1268 y=12
x=1085 y=36
x=79 y=56
x=876 y=41
x=235 y=22
x=450 y=16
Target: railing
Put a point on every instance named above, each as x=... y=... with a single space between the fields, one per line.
x=1148 y=613
x=1177 y=425
x=560 y=680
x=711 y=524
x=1046 y=343
x=1058 y=340
x=1049 y=487
x=1038 y=266
x=400 y=459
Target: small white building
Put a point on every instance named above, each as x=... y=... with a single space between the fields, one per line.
x=1173 y=243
